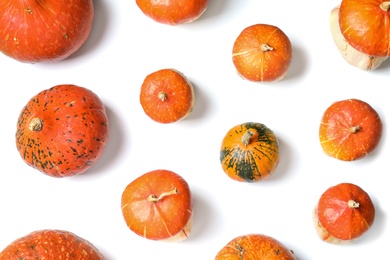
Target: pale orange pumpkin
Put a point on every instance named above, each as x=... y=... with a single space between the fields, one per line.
x=350 y=129
x=167 y=96
x=343 y=213
x=158 y=206
x=254 y=247
x=262 y=52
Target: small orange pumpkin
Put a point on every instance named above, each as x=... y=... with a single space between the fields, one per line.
x=254 y=247
x=262 y=52
x=350 y=129
x=51 y=244
x=249 y=152
x=167 y=96
x=62 y=131
x=365 y=25
x=343 y=213
x=158 y=206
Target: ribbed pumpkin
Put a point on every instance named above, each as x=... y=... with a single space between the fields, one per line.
x=343 y=213
x=249 y=152
x=254 y=247
x=50 y=244
x=62 y=131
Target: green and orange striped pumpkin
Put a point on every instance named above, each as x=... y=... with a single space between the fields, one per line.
x=249 y=152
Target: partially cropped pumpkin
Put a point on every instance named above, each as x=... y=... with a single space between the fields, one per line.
x=249 y=152
x=51 y=244
x=254 y=247
x=343 y=213
x=62 y=131
x=361 y=31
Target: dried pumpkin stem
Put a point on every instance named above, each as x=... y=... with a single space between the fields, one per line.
x=154 y=198
x=385 y=6
x=162 y=96
x=36 y=124
x=265 y=47
x=353 y=204
x=354 y=129
x=246 y=138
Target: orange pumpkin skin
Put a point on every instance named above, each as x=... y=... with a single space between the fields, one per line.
x=173 y=12
x=62 y=131
x=262 y=52
x=167 y=96
x=158 y=206
x=50 y=244
x=249 y=152
x=254 y=247
x=350 y=129
x=344 y=213
x=365 y=25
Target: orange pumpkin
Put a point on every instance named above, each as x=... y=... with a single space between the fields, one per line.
x=262 y=52
x=350 y=129
x=344 y=213
x=158 y=206
x=50 y=244
x=365 y=25
x=167 y=96
x=254 y=247
x=62 y=131
x=249 y=152
x=173 y=12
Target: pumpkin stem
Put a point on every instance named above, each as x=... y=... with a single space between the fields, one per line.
x=353 y=204
x=36 y=124
x=265 y=47
x=385 y=6
x=162 y=96
x=246 y=138
x=354 y=129
x=154 y=198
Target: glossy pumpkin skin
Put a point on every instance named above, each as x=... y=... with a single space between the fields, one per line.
x=249 y=152
x=50 y=244
x=365 y=25
x=344 y=213
x=262 y=52
x=167 y=96
x=173 y=12
x=254 y=247
x=62 y=131
x=34 y=31
x=158 y=206
x=350 y=129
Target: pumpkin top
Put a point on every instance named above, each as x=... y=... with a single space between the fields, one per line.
x=345 y=211
x=365 y=24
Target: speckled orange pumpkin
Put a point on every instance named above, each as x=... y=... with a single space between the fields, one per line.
x=51 y=244
x=249 y=152
x=262 y=52
x=167 y=96
x=254 y=247
x=343 y=213
x=350 y=129
x=62 y=131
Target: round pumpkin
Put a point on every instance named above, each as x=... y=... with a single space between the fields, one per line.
x=167 y=96
x=350 y=129
x=365 y=25
x=173 y=12
x=51 y=244
x=254 y=247
x=343 y=213
x=158 y=206
x=62 y=131
x=249 y=152
x=262 y=52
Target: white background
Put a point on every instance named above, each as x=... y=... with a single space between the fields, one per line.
x=125 y=46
